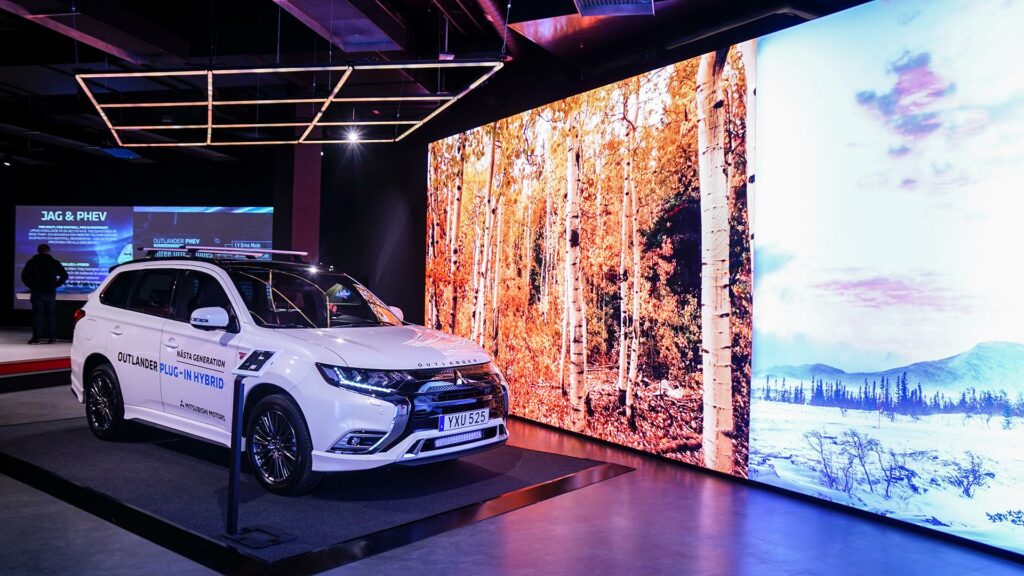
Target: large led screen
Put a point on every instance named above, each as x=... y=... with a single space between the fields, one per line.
x=888 y=312
x=599 y=248
x=88 y=240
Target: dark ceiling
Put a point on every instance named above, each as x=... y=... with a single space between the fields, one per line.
x=552 y=50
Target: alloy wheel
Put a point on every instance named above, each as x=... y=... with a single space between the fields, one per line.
x=274 y=446
x=101 y=402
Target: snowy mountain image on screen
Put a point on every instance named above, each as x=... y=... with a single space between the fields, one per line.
x=987 y=366
x=888 y=370
x=935 y=443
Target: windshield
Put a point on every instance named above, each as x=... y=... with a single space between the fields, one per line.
x=306 y=297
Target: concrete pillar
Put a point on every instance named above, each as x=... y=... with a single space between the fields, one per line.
x=305 y=204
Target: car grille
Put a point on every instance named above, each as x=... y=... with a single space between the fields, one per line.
x=436 y=392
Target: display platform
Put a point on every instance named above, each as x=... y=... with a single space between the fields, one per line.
x=24 y=366
x=173 y=491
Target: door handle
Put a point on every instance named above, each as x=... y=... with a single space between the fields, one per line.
x=170 y=343
x=116 y=331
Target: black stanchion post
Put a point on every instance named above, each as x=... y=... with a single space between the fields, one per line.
x=255 y=364
x=236 y=456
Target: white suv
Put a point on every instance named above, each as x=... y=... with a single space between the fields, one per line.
x=350 y=386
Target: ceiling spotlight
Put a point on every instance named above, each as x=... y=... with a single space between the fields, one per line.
x=6 y=163
x=352 y=136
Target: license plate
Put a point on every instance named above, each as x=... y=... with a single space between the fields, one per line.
x=463 y=420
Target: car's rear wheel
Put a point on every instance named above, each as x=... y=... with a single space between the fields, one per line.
x=104 y=406
x=279 y=447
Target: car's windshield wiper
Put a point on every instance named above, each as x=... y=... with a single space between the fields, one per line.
x=343 y=324
x=287 y=326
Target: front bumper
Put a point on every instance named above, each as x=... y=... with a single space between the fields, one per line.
x=416 y=448
x=413 y=433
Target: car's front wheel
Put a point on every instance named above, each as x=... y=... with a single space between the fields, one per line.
x=279 y=447
x=104 y=408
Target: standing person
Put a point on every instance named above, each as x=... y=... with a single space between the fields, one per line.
x=43 y=274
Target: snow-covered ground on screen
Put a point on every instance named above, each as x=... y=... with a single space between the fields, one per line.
x=926 y=462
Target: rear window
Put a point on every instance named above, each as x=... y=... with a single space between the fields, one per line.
x=153 y=291
x=116 y=292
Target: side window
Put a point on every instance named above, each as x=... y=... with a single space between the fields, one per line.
x=200 y=290
x=116 y=292
x=254 y=294
x=153 y=291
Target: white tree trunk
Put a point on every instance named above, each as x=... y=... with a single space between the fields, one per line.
x=748 y=53
x=480 y=283
x=566 y=276
x=545 y=271
x=716 y=333
x=634 y=322
x=453 y=234
x=574 y=287
x=496 y=280
x=479 y=314
x=528 y=243
x=564 y=322
x=433 y=319
x=431 y=240
x=599 y=209
x=624 y=275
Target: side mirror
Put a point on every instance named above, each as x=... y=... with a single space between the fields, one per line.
x=213 y=318
x=397 y=312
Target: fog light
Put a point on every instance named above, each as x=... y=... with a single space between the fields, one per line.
x=360 y=441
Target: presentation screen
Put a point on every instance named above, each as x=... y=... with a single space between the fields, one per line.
x=598 y=247
x=88 y=240
x=871 y=353
x=888 y=307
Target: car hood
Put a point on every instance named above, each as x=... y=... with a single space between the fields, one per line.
x=393 y=347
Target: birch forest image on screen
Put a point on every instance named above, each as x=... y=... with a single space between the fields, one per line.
x=889 y=270
x=599 y=248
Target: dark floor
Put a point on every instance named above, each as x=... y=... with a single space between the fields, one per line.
x=660 y=519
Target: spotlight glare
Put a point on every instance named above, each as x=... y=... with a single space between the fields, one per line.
x=352 y=136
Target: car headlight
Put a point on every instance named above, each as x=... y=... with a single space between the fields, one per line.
x=371 y=382
x=501 y=375
x=504 y=384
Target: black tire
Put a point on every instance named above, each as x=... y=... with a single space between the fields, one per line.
x=104 y=406
x=279 y=447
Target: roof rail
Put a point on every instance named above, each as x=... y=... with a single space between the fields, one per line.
x=247 y=252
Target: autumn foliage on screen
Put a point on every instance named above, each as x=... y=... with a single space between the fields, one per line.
x=599 y=247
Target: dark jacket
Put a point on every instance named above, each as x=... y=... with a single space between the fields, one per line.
x=43 y=273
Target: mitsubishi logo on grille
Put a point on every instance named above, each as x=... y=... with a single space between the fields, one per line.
x=459 y=380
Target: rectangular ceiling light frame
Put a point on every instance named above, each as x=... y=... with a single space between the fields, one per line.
x=444 y=101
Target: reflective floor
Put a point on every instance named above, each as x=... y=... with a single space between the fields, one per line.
x=14 y=347
x=660 y=519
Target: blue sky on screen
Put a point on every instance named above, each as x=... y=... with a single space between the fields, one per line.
x=889 y=217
